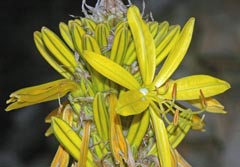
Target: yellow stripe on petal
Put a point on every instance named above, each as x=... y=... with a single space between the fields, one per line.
x=111 y=70
x=176 y=55
x=144 y=43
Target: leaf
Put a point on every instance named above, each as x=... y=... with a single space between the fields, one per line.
x=176 y=55
x=144 y=44
x=163 y=146
x=188 y=88
x=111 y=70
x=131 y=103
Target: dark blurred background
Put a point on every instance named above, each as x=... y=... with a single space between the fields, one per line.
x=215 y=50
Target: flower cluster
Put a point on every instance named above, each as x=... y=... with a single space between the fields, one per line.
x=120 y=109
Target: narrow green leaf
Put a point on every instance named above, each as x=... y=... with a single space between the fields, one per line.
x=111 y=70
x=188 y=88
x=144 y=44
x=176 y=55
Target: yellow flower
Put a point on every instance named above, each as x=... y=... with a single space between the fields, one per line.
x=41 y=93
x=109 y=64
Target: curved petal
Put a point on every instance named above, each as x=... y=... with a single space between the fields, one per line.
x=188 y=88
x=41 y=93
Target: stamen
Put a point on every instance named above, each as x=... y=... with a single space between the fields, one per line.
x=175 y=118
x=174 y=92
x=203 y=99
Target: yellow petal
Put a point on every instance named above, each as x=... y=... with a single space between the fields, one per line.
x=144 y=44
x=120 y=44
x=167 y=42
x=61 y=158
x=102 y=33
x=212 y=105
x=41 y=93
x=138 y=128
x=58 y=48
x=77 y=33
x=49 y=57
x=66 y=35
x=84 y=146
x=176 y=55
x=163 y=146
x=197 y=123
x=89 y=24
x=101 y=117
x=131 y=103
x=69 y=139
x=117 y=140
x=111 y=70
x=176 y=133
x=188 y=88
